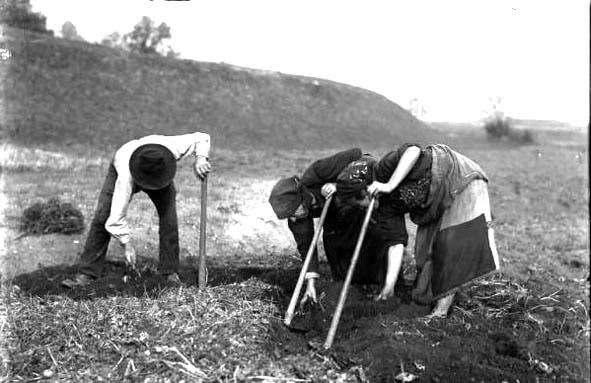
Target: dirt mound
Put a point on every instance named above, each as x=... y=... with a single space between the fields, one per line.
x=52 y=216
x=118 y=279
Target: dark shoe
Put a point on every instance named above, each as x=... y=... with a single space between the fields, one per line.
x=78 y=281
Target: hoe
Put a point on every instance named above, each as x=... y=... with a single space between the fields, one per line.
x=343 y=296
x=296 y=293
x=202 y=234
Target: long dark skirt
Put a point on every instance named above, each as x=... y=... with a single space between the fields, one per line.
x=457 y=249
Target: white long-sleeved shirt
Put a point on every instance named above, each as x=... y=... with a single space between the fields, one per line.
x=181 y=146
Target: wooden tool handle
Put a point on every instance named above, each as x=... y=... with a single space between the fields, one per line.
x=296 y=293
x=343 y=297
x=203 y=235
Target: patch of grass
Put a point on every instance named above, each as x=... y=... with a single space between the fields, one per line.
x=18 y=158
x=179 y=334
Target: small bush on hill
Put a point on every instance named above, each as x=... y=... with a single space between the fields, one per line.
x=69 y=32
x=52 y=216
x=499 y=127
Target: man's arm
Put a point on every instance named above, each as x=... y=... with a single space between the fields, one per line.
x=303 y=233
x=197 y=144
x=116 y=224
x=201 y=167
x=327 y=169
x=202 y=146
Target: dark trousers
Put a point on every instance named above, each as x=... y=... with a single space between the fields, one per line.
x=97 y=242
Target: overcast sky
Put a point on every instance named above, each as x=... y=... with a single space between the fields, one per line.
x=452 y=56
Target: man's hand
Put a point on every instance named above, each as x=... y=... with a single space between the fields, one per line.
x=328 y=189
x=377 y=187
x=201 y=167
x=130 y=255
x=310 y=293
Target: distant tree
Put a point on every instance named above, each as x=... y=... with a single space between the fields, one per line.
x=416 y=108
x=19 y=14
x=146 y=37
x=167 y=51
x=69 y=32
x=114 y=40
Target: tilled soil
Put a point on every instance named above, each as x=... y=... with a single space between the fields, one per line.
x=386 y=338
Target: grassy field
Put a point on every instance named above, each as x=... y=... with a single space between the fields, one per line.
x=67 y=105
x=503 y=328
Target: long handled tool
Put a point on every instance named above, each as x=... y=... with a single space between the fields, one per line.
x=343 y=297
x=202 y=235
x=296 y=293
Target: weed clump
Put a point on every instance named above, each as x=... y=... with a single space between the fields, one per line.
x=52 y=216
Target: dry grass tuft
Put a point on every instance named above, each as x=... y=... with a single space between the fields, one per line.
x=549 y=312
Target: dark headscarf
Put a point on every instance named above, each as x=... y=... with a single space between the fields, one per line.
x=355 y=178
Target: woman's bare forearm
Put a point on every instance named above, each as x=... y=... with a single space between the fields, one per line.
x=407 y=161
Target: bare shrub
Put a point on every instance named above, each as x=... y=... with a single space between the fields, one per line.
x=498 y=127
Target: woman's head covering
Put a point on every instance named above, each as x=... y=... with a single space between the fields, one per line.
x=152 y=166
x=354 y=179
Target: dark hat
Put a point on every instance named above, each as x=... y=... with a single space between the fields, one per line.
x=152 y=166
x=286 y=196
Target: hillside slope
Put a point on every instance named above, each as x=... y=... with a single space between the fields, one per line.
x=60 y=92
